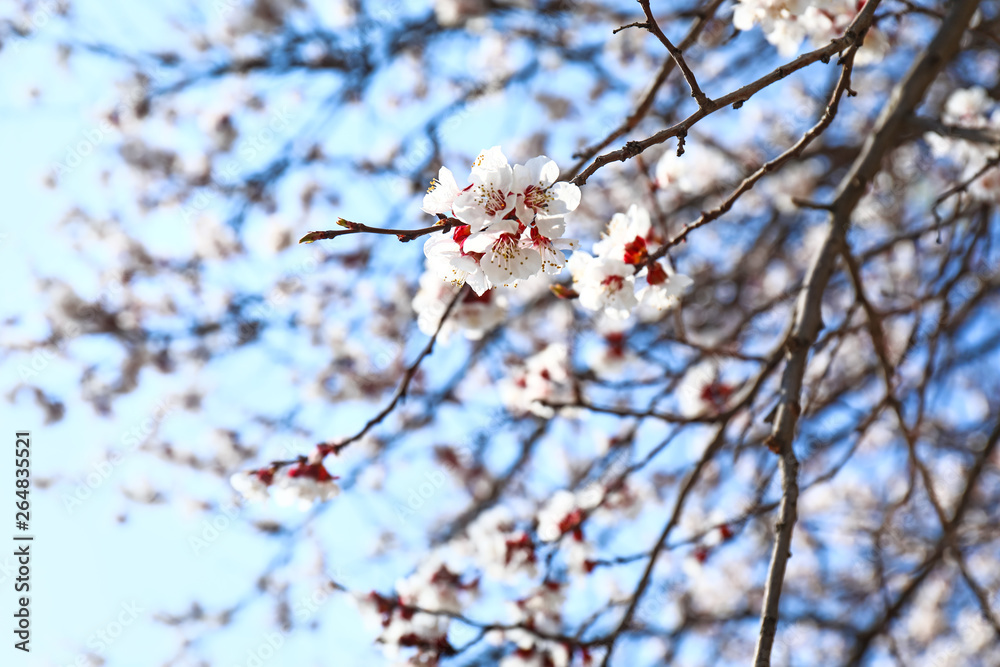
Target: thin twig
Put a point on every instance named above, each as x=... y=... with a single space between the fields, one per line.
x=404 y=385
x=400 y=393
x=444 y=225
x=646 y=102
x=652 y=26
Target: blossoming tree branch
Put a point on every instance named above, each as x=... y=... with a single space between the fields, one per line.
x=695 y=365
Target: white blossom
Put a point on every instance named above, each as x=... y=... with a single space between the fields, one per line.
x=542 y=611
x=441 y=194
x=447 y=260
x=555 y=516
x=514 y=221
x=301 y=485
x=665 y=295
x=607 y=285
x=623 y=229
x=473 y=315
x=545 y=238
x=786 y=23
x=499 y=548
x=250 y=486
x=538 y=193
x=490 y=197
x=505 y=260
x=544 y=377
x=302 y=492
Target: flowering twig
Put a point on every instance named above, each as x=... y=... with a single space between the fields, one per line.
x=443 y=225
x=404 y=384
x=325 y=448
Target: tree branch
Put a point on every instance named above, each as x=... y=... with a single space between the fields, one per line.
x=444 y=225
x=652 y=26
x=854 y=33
x=646 y=103
x=843 y=85
x=808 y=321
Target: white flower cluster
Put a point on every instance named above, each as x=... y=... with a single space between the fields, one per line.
x=606 y=281
x=541 y=611
x=787 y=22
x=971 y=108
x=699 y=169
x=499 y=548
x=418 y=615
x=513 y=222
x=301 y=485
x=562 y=514
x=543 y=377
x=474 y=314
